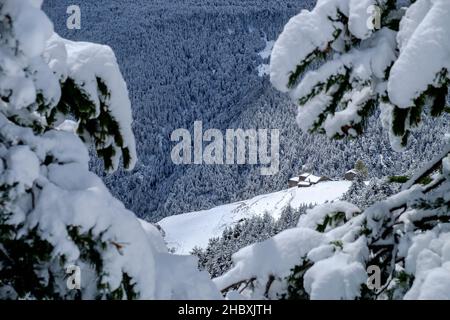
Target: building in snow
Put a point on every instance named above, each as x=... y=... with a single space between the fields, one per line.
x=293 y=182
x=306 y=180
x=351 y=175
x=303 y=184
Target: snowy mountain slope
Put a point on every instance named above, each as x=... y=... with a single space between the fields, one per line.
x=186 y=231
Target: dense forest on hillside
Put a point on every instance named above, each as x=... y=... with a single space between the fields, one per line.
x=198 y=60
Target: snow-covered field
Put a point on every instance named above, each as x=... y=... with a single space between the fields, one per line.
x=185 y=231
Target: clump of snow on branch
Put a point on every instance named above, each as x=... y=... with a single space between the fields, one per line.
x=273 y=257
x=85 y=62
x=339 y=68
x=424 y=51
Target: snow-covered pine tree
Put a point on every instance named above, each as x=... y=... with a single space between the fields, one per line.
x=216 y=258
x=54 y=213
x=346 y=58
x=340 y=70
x=364 y=196
x=57 y=98
x=357 y=192
x=361 y=169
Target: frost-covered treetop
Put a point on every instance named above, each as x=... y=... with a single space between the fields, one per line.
x=345 y=58
x=45 y=79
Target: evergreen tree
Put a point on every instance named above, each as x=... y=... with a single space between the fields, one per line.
x=361 y=169
x=45 y=187
x=356 y=190
x=364 y=195
x=217 y=257
x=340 y=67
x=340 y=70
x=344 y=98
x=62 y=234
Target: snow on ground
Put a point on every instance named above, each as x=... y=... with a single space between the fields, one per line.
x=265 y=53
x=264 y=68
x=185 y=231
